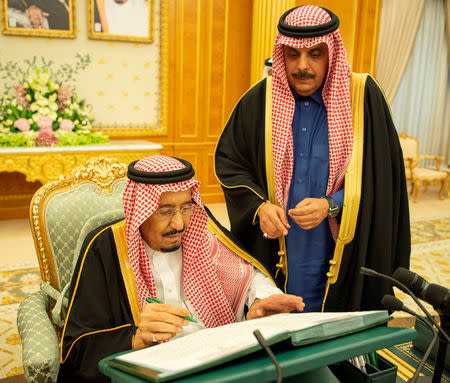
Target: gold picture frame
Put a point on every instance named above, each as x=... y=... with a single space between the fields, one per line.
x=110 y=20
x=131 y=129
x=41 y=18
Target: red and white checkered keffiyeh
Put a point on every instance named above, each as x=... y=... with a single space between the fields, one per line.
x=214 y=293
x=335 y=94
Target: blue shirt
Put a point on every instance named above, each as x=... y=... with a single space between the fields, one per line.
x=308 y=251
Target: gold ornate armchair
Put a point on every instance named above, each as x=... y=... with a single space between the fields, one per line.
x=419 y=175
x=62 y=213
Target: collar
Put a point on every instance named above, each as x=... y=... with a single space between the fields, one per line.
x=316 y=96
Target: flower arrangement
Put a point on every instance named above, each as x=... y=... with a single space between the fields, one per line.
x=41 y=108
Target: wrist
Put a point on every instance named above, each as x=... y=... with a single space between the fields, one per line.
x=333 y=208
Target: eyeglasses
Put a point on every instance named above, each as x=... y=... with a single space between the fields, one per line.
x=169 y=212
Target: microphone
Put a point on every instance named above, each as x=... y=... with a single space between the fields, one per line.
x=396 y=304
x=436 y=295
x=262 y=341
x=402 y=287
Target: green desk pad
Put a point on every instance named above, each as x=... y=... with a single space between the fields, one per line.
x=258 y=368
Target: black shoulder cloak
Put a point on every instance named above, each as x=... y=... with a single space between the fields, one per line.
x=100 y=320
x=103 y=309
x=382 y=237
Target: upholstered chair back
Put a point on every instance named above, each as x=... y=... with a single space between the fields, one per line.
x=417 y=173
x=59 y=211
x=62 y=213
x=410 y=148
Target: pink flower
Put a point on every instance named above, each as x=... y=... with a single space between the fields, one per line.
x=46 y=138
x=20 y=96
x=66 y=125
x=22 y=124
x=45 y=124
x=64 y=95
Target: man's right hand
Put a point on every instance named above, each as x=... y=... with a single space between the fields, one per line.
x=273 y=220
x=159 y=319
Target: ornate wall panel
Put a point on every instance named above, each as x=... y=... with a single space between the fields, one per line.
x=209 y=70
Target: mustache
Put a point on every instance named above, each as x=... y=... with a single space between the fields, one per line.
x=302 y=74
x=172 y=232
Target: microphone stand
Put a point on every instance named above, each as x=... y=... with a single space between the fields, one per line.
x=442 y=350
x=262 y=341
x=396 y=304
x=401 y=286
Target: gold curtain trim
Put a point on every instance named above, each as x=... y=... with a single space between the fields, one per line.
x=353 y=178
x=120 y=238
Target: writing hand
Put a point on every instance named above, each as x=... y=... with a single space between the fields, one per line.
x=310 y=212
x=273 y=220
x=275 y=304
x=160 y=320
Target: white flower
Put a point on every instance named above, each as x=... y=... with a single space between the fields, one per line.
x=9 y=111
x=42 y=101
x=28 y=97
x=53 y=106
x=8 y=122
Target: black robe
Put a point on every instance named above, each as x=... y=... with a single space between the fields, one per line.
x=382 y=235
x=103 y=313
x=100 y=309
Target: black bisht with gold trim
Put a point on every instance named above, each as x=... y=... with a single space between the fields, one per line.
x=381 y=239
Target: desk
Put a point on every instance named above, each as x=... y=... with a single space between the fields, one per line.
x=303 y=364
x=46 y=164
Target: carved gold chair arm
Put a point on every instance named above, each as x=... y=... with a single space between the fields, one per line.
x=438 y=159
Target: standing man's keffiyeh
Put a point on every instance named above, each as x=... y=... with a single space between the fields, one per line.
x=299 y=23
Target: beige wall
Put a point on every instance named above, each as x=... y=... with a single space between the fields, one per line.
x=208 y=52
x=122 y=83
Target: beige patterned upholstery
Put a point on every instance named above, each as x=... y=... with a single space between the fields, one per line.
x=418 y=175
x=61 y=214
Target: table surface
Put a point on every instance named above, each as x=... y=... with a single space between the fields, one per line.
x=109 y=146
x=259 y=368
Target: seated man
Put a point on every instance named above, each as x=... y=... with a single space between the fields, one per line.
x=165 y=249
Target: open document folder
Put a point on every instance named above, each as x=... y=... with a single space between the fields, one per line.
x=213 y=346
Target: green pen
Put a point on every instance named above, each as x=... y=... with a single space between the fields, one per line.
x=155 y=300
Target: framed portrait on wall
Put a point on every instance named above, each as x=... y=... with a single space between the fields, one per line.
x=122 y=20
x=45 y=18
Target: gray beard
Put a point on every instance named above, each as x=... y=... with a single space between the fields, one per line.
x=169 y=249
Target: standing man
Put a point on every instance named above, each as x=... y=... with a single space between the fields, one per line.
x=312 y=171
x=167 y=248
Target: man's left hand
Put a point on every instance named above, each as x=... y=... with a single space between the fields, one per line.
x=275 y=304
x=310 y=212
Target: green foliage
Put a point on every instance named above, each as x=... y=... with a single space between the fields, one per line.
x=40 y=104
x=15 y=72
